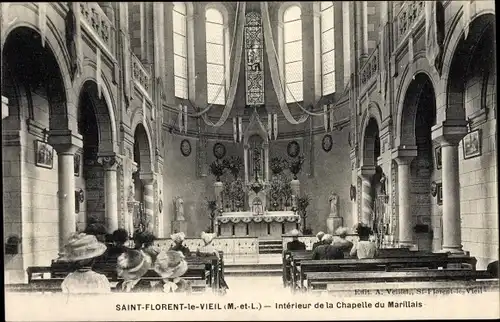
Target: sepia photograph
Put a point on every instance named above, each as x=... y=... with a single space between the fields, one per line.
x=250 y=161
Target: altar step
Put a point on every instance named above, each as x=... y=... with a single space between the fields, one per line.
x=253 y=269
x=270 y=246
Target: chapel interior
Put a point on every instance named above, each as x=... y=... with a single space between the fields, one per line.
x=249 y=120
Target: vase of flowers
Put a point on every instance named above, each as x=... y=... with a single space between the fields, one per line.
x=233 y=164
x=302 y=204
x=278 y=164
x=217 y=168
x=212 y=208
x=295 y=165
x=237 y=194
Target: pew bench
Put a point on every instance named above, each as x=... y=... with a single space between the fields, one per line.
x=320 y=280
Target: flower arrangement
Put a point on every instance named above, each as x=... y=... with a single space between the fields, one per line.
x=217 y=168
x=278 y=164
x=237 y=193
x=303 y=203
x=295 y=165
x=212 y=207
x=233 y=164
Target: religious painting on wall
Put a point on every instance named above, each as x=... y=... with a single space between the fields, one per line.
x=437 y=157
x=327 y=143
x=254 y=59
x=44 y=155
x=293 y=149
x=219 y=150
x=472 y=144
x=78 y=161
x=185 y=148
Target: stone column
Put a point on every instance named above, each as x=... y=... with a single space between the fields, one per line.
x=148 y=181
x=66 y=144
x=110 y=163
x=130 y=193
x=5 y=107
x=366 y=173
x=448 y=134
x=266 y=176
x=403 y=156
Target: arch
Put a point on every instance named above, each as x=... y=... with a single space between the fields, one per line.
x=55 y=44
x=458 y=56
x=284 y=7
x=38 y=66
x=414 y=87
x=88 y=76
x=138 y=119
x=371 y=124
x=142 y=141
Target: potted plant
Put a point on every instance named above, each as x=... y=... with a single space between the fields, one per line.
x=302 y=204
x=237 y=194
x=295 y=165
x=233 y=164
x=286 y=192
x=217 y=168
x=278 y=164
x=226 y=197
x=212 y=208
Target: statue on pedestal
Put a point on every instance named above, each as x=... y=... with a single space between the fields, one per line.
x=334 y=205
x=333 y=221
x=179 y=208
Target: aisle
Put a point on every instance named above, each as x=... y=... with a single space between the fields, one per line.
x=254 y=284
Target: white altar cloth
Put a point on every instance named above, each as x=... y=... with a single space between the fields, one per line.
x=248 y=216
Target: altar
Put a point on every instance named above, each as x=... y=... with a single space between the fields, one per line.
x=271 y=224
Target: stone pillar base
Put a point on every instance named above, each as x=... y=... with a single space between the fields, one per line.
x=333 y=223
x=179 y=226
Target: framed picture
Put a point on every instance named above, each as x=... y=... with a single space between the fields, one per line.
x=78 y=162
x=293 y=149
x=439 y=194
x=185 y=147
x=327 y=143
x=219 y=150
x=44 y=156
x=472 y=144
x=437 y=157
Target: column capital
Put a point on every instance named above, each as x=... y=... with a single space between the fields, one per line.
x=65 y=141
x=404 y=154
x=147 y=177
x=449 y=132
x=109 y=161
x=366 y=171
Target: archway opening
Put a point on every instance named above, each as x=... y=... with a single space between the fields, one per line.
x=371 y=141
x=143 y=160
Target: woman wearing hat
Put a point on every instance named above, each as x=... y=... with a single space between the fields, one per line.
x=82 y=250
x=132 y=265
x=364 y=248
x=178 y=238
x=342 y=243
x=319 y=235
x=208 y=249
x=171 y=265
x=295 y=244
x=145 y=241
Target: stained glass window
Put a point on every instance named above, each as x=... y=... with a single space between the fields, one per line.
x=292 y=28
x=180 y=50
x=216 y=66
x=327 y=47
x=254 y=59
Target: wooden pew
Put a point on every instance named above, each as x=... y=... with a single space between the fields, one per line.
x=319 y=280
x=289 y=259
x=380 y=264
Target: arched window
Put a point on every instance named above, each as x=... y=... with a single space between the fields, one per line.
x=327 y=47
x=216 y=60
x=180 y=50
x=292 y=29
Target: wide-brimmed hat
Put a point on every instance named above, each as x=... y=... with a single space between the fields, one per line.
x=178 y=237
x=327 y=238
x=320 y=235
x=170 y=264
x=294 y=233
x=81 y=246
x=342 y=232
x=133 y=264
x=207 y=237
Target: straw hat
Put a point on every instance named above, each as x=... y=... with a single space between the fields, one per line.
x=170 y=264
x=320 y=235
x=133 y=264
x=327 y=239
x=81 y=246
x=294 y=233
x=341 y=232
x=207 y=238
x=178 y=238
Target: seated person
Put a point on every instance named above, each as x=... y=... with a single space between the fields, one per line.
x=120 y=237
x=81 y=250
x=341 y=242
x=208 y=249
x=132 y=265
x=145 y=241
x=319 y=236
x=171 y=265
x=99 y=231
x=364 y=248
x=327 y=250
x=178 y=238
x=295 y=244
x=492 y=269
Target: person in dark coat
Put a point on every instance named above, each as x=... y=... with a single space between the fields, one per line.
x=178 y=245
x=341 y=241
x=319 y=242
x=120 y=237
x=132 y=265
x=492 y=269
x=295 y=244
x=327 y=250
x=145 y=241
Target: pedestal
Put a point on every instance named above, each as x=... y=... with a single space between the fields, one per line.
x=218 y=187
x=295 y=184
x=5 y=107
x=179 y=226
x=333 y=223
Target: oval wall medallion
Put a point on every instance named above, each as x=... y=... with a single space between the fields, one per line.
x=219 y=150
x=160 y=205
x=185 y=147
x=293 y=149
x=327 y=143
